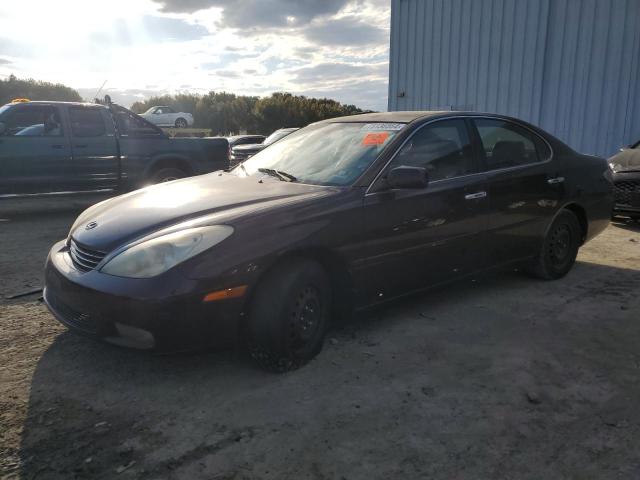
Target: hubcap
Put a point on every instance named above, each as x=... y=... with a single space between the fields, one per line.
x=305 y=317
x=560 y=244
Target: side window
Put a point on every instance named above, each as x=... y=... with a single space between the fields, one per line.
x=86 y=122
x=131 y=125
x=33 y=121
x=506 y=144
x=443 y=148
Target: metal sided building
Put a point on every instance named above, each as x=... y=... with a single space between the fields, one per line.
x=570 y=66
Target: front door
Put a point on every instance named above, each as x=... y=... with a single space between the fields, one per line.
x=524 y=188
x=34 y=150
x=422 y=237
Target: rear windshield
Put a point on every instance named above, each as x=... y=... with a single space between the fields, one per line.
x=324 y=154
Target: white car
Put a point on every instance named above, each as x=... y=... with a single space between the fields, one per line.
x=167 y=117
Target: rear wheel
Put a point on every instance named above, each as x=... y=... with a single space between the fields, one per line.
x=289 y=315
x=167 y=175
x=181 y=123
x=559 y=249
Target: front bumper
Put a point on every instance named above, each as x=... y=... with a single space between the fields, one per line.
x=165 y=313
x=626 y=193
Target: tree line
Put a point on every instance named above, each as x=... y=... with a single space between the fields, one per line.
x=221 y=112
x=12 y=88
x=226 y=113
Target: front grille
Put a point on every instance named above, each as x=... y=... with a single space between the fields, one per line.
x=84 y=259
x=67 y=315
x=627 y=192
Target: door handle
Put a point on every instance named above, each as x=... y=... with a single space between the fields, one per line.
x=57 y=147
x=555 y=180
x=475 y=196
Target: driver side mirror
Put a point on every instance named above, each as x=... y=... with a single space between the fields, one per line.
x=408 y=177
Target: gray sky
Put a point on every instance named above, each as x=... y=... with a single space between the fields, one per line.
x=333 y=48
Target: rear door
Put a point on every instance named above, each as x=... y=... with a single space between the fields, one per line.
x=524 y=188
x=421 y=237
x=34 y=150
x=95 y=164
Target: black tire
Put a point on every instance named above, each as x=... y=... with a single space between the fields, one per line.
x=181 y=123
x=559 y=249
x=288 y=316
x=167 y=174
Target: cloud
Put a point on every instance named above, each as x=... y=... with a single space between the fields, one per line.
x=149 y=29
x=16 y=48
x=366 y=94
x=348 y=31
x=249 y=14
x=226 y=74
x=4 y=61
x=339 y=71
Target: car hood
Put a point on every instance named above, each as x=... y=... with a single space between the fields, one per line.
x=626 y=160
x=210 y=199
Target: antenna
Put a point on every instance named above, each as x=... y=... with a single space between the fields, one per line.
x=100 y=89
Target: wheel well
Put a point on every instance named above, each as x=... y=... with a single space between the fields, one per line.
x=339 y=277
x=171 y=163
x=580 y=213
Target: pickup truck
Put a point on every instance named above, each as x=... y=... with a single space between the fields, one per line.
x=64 y=147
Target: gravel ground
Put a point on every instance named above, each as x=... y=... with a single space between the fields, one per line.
x=499 y=377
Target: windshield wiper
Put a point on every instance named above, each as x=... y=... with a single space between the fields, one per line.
x=284 y=176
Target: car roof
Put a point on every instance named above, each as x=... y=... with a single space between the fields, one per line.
x=396 y=117
x=47 y=102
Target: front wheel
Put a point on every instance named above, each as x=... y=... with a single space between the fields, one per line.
x=167 y=175
x=289 y=315
x=559 y=249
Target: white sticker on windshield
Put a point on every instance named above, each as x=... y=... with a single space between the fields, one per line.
x=371 y=127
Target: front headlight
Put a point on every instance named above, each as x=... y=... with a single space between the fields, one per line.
x=157 y=255
x=614 y=166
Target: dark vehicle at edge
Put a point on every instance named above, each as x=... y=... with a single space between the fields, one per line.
x=236 y=140
x=68 y=147
x=341 y=215
x=625 y=167
x=240 y=153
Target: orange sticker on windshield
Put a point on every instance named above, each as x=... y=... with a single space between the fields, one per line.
x=375 y=138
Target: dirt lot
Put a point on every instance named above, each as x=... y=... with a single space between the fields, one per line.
x=501 y=377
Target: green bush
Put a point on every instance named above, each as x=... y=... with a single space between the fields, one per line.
x=225 y=113
x=13 y=87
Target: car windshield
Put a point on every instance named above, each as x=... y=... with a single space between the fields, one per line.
x=323 y=154
x=275 y=136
